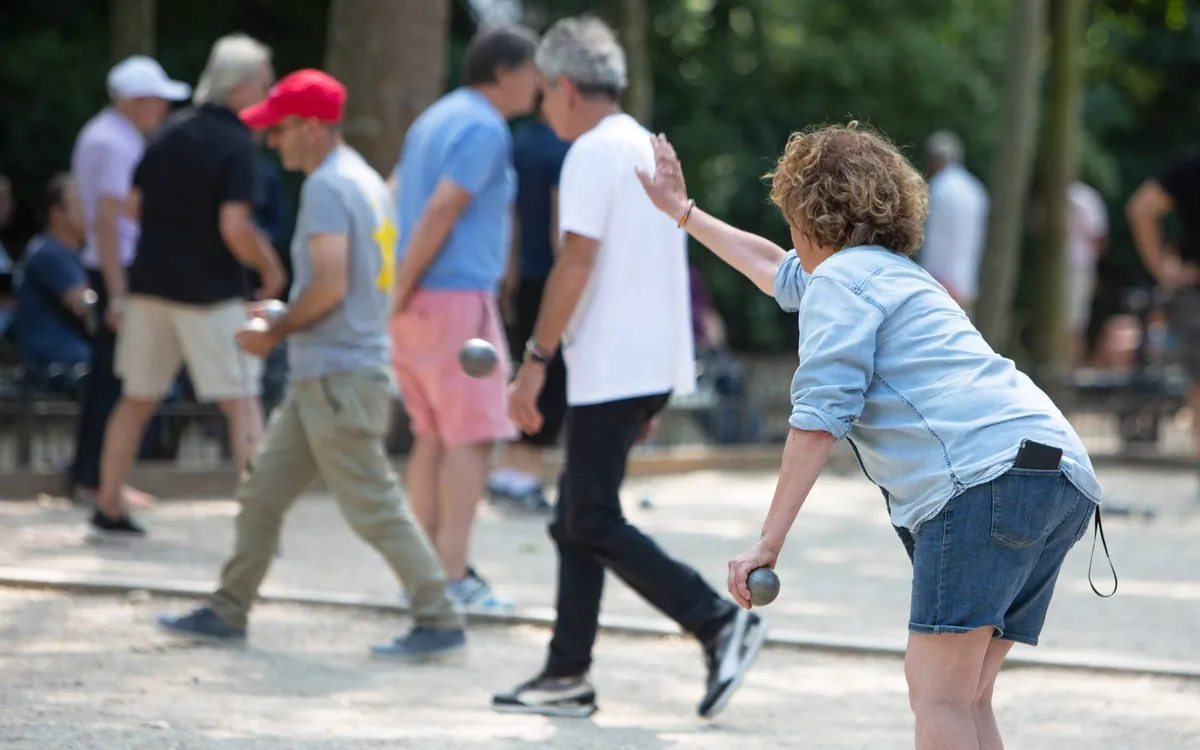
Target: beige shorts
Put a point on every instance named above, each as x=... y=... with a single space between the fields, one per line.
x=158 y=335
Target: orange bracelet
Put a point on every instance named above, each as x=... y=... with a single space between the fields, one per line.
x=687 y=213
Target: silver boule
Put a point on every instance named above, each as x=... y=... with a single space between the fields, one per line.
x=478 y=358
x=764 y=586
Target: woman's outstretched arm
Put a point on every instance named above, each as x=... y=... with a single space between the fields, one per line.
x=756 y=258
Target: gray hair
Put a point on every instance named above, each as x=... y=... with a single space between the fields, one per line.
x=235 y=59
x=944 y=146
x=585 y=51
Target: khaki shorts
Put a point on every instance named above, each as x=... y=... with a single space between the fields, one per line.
x=158 y=335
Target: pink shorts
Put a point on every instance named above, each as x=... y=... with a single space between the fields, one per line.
x=439 y=397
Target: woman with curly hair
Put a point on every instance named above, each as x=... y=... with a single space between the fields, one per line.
x=985 y=480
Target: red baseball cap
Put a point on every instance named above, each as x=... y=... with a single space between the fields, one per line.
x=308 y=94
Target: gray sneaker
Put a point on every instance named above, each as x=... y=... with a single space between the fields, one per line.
x=423 y=643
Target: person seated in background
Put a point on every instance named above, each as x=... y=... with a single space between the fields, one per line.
x=52 y=316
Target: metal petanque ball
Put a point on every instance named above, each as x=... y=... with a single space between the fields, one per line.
x=272 y=309
x=764 y=586
x=478 y=358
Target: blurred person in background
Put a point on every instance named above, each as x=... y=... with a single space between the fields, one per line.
x=1087 y=239
x=956 y=230
x=270 y=215
x=455 y=189
x=1176 y=268
x=194 y=194
x=537 y=157
x=53 y=318
x=106 y=151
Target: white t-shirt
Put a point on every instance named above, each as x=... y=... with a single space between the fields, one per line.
x=1087 y=223
x=631 y=333
x=956 y=230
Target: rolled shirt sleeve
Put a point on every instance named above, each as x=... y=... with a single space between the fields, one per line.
x=837 y=355
x=790 y=282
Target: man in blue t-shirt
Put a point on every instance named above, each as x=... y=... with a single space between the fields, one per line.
x=454 y=193
x=51 y=323
x=537 y=158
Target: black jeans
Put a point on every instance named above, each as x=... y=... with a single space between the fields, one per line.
x=592 y=534
x=99 y=397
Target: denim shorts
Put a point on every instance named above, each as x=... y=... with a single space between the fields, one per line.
x=992 y=555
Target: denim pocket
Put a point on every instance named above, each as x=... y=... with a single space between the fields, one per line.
x=1025 y=505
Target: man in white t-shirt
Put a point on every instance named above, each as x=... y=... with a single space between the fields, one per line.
x=617 y=299
x=956 y=229
x=1087 y=236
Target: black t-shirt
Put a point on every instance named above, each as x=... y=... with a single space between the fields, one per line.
x=201 y=158
x=1181 y=180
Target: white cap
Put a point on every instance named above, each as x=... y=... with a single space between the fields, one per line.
x=140 y=76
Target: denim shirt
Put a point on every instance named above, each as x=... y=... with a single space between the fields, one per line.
x=890 y=362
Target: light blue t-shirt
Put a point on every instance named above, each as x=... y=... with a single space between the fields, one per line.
x=889 y=361
x=464 y=138
x=344 y=195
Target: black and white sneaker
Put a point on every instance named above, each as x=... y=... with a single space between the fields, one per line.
x=729 y=657
x=568 y=697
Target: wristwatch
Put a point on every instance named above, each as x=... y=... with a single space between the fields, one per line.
x=534 y=353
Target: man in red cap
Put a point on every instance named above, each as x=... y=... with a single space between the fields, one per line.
x=332 y=422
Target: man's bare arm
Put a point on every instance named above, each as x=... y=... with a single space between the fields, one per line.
x=329 y=254
x=430 y=233
x=555 y=239
x=1145 y=211
x=564 y=287
x=133 y=205
x=244 y=240
x=108 y=213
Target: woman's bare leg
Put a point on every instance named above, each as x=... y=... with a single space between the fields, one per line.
x=944 y=673
x=985 y=718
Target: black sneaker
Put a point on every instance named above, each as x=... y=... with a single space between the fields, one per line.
x=729 y=658
x=124 y=526
x=567 y=697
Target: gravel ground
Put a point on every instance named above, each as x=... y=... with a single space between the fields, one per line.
x=92 y=672
x=844 y=573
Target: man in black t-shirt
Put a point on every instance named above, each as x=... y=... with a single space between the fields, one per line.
x=1177 y=268
x=194 y=193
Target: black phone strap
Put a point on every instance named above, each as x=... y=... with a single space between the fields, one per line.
x=1098 y=531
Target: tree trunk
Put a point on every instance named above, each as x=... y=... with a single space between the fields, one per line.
x=1051 y=345
x=1011 y=172
x=132 y=29
x=639 y=98
x=391 y=55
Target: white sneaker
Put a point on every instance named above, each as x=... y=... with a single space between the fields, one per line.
x=472 y=594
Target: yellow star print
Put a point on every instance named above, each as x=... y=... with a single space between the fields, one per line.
x=385 y=239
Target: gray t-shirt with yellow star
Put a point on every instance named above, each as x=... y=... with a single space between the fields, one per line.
x=346 y=196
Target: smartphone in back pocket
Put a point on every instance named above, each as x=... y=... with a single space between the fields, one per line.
x=1038 y=456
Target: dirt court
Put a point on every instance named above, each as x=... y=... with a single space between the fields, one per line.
x=93 y=672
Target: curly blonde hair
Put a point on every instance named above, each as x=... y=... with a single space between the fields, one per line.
x=843 y=186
